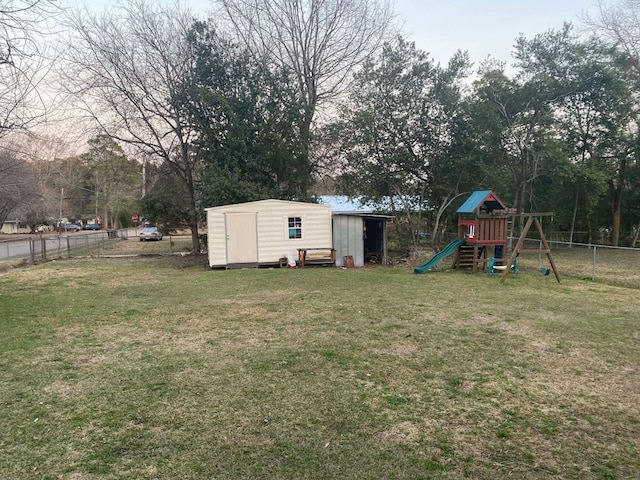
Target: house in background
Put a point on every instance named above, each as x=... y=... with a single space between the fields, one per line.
x=87 y=219
x=14 y=225
x=261 y=233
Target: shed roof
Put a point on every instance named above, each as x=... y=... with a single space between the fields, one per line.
x=344 y=204
x=260 y=204
x=481 y=198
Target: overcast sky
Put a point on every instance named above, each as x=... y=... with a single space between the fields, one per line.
x=483 y=27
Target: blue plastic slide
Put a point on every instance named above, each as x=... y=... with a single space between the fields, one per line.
x=435 y=260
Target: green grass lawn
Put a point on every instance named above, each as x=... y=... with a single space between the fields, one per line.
x=148 y=369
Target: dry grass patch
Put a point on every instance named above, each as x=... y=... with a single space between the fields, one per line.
x=401 y=433
x=152 y=370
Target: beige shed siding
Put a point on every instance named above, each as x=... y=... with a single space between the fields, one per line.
x=273 y=238
x=216 y=238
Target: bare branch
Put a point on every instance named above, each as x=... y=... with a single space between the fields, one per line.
x=321 y=41
x=24 y=62
x=620 y=24
x=126 y=67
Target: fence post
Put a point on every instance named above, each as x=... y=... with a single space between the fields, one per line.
x=32 y=250
x=593 y=264
x=43 y=247
x=68 y=247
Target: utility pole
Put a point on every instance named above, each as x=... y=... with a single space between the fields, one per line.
x=144 y=177
x=61 y=198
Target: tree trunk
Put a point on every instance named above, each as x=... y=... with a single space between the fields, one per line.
x=616 y=201
x=193 y=210
x=636 y=234
x=193 y=222
x=615 y=227
x=443 y=207
x=521 y=195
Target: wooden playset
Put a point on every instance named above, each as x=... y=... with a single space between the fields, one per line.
x=483 y=221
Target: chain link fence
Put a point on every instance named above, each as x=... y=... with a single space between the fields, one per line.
x=604 y=263
x=40 y=248
x=37 y=248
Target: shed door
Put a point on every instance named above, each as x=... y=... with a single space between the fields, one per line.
x=242 y=237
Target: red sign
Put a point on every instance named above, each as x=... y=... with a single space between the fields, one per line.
x=134 y=218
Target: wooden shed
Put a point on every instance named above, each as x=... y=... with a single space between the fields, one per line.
x=260 y=233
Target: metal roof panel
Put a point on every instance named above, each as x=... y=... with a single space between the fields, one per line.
x=474 y=200
x=477 y=199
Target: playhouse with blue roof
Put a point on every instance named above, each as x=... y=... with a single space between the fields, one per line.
x=482 y=234
x=482 y=223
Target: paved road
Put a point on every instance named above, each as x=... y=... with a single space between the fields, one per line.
x=51 y=243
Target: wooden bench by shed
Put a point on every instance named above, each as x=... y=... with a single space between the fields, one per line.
x=316 y=256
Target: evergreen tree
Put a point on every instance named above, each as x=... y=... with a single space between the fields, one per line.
x=247 y=120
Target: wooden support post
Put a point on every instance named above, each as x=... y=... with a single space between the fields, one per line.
x=547 y=250
x=474 y=265
x=517 y=249
x=533 y=219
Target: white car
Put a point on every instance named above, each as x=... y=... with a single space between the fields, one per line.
x=150 y=233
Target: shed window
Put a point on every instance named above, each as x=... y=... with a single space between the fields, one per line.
x=295 y=227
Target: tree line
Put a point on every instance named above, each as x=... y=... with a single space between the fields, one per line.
x=558 y=135
x=289 y=99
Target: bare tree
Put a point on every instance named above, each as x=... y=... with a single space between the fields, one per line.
x=41 y=150
x=34 y=159
x=126 y=67
x=620 y=24
x=18 y=183
x=23 y=62
x=321 y=41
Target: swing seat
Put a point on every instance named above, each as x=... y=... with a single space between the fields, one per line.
x=493 y=268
